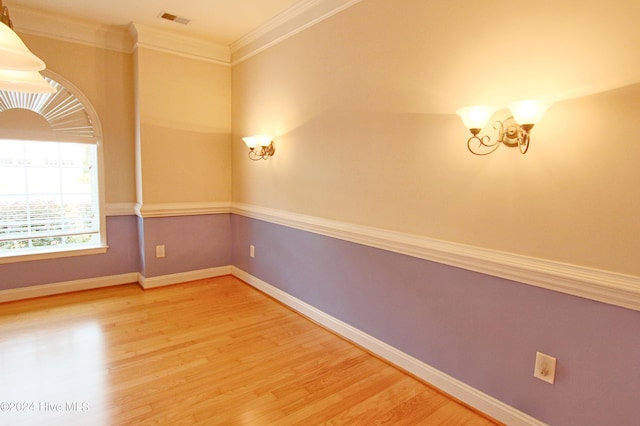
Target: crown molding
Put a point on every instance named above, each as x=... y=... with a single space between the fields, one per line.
x=45 y=24
x=603 y=286
x=179 y=44
x=293 y=20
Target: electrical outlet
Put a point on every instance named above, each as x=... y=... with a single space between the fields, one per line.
x=545 y=368
x=252 y=251
x=160 y=251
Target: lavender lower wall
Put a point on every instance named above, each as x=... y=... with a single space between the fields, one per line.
x=191 y=243
x=482 y=330
x=121 y=258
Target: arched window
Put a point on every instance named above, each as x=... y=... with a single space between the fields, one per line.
x=50 y=179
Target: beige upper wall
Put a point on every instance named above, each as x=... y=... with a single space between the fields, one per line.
x=363 y=109
x=185 y=122
x=105 y=77
x=184 y=125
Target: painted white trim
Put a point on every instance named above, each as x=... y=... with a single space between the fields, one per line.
x=164 y=280
x=179 y=44
x=291 y=21
x=297 y=18
x=603 y=286
x=182 y=209
x=52 y=253
x=465 y=393
x=66 y=287
x=120 y=209
x=44 y=24
x=30 y=292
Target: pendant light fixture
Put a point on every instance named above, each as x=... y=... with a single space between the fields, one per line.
x=18 y=65
x=24 y=81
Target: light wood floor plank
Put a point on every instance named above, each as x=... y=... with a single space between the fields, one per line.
x=210 y=352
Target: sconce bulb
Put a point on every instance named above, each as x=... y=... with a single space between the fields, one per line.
x=475 y=117
x=529 y=111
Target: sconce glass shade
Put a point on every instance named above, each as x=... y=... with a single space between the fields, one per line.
x=529 y=111
x=14 y=54
x=255 y=141
x=24 y=81
x=251 y=142
x=476 y=117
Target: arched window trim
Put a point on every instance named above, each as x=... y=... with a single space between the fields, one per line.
x=90 y=133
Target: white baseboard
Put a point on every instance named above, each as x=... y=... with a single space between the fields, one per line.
x=465 y=393
x=13 y=294
x=66 y=287
x=473 y=397
x=153 y=282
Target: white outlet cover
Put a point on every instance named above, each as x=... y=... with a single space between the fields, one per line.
x=545 y=368
x=160 y=251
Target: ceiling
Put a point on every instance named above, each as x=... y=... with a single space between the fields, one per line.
x=220 y=21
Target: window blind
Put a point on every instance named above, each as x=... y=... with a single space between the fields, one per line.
x=48 y=195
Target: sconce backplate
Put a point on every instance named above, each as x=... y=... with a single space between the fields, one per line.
x=509 y=132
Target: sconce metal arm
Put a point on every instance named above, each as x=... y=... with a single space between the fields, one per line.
x=262 y=152
x=483 y=142
x=510 y=134
x=4 y=16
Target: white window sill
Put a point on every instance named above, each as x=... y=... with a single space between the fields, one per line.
x=13 y=257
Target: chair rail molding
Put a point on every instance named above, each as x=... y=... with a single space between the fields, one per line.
x=603 y=286
x=182 y=209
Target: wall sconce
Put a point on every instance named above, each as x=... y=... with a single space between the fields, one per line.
x=18 y=65
x=260 y=147
x=512 y=132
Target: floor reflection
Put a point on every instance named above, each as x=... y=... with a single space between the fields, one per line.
x=55 y=375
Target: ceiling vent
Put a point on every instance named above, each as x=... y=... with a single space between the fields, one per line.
x=174 y=18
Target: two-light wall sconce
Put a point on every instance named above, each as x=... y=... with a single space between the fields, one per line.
x=512 y=132
x=261 y=147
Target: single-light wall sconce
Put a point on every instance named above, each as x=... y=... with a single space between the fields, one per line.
x=18 y=65
x=512 y=132
x=260 y=147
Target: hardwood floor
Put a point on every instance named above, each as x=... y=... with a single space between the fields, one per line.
x=210 y=352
